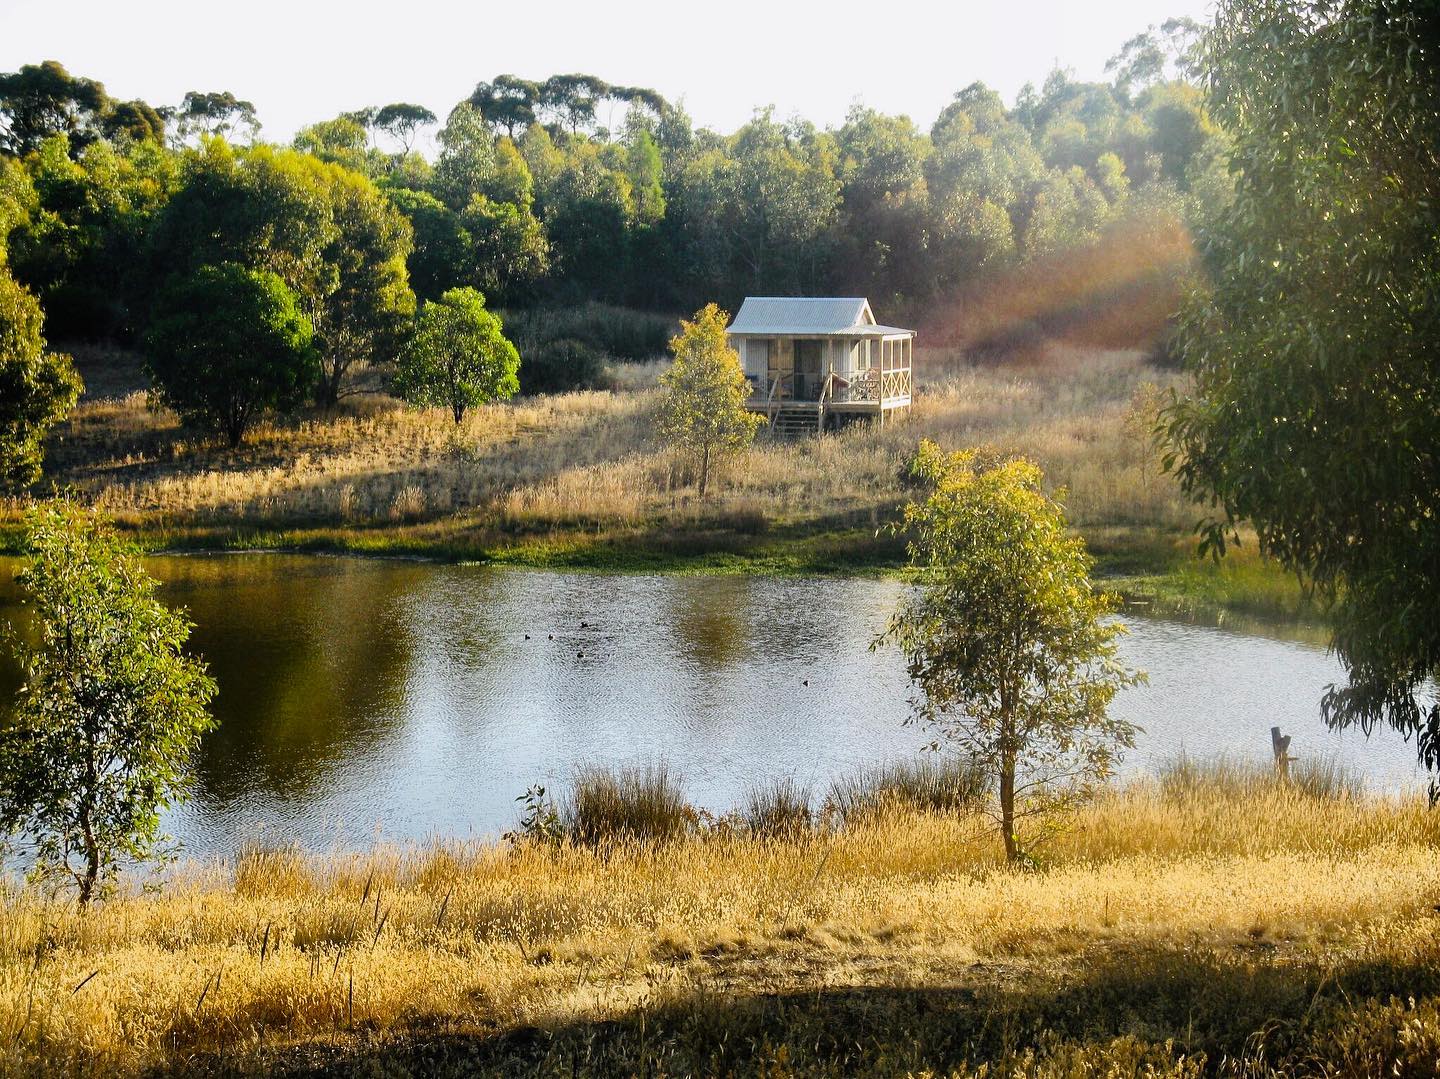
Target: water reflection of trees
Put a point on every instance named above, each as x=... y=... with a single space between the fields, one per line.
x=310 y=656
x=709 y=619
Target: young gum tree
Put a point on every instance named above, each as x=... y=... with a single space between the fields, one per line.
x=458 y=357
x=110 y=711
x=1008 y=644
x=703 y=412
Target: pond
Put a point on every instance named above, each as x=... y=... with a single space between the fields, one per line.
x=368 y=700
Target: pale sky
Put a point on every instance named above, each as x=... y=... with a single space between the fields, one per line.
x=300 y=61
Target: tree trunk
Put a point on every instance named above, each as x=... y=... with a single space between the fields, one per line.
x=704 y=469
x=327 y=395
x=1007 y=807
x=1007 y=790
x=87 y=828
x=92 y=860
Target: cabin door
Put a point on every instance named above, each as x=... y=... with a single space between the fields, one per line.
x=808 y=368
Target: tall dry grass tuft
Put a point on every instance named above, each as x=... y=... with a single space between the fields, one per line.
x=929 y=783
x=781 y=808
x=643 y=804
x=1186 y=776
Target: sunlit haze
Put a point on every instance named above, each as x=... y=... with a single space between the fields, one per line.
x=301 y=62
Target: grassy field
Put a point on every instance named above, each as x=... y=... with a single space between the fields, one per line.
x=576 y=480
x=1204 y=923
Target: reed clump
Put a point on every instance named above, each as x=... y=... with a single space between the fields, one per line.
x=929 y=783
x=642 y=804
x=1187 y=776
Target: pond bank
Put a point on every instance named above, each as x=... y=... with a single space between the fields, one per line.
x=1157 y=569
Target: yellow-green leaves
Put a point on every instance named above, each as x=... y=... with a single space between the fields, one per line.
x=703 y=413
x=1009 y=646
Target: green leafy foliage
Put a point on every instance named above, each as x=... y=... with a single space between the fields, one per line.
x=570 y=190
x=331 y=236
x=42 y=100
x=228 y=346
x=703 y=411
x=37 y=388
x=1314 y=344
x=458 y=356
x=110 y=710
x=1010 y=648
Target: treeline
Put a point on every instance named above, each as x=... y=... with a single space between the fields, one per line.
x=570 y=190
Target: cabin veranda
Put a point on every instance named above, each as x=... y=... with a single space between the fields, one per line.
x=817 y=362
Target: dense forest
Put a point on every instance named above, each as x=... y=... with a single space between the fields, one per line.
x=554 y=193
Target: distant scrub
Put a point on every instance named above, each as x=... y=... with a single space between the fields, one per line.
x=621 y=332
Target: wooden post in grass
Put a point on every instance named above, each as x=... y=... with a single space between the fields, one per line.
x=1280 y=746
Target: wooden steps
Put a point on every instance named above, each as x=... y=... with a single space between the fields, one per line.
x=792 y=420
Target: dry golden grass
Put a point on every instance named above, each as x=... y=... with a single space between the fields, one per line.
x=281 y=954
x=588 y=460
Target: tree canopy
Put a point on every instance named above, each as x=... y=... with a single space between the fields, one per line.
x=37 y=387
x=1314 y=341
x=41 y=100
x=569 y=188
x=458 y=356
x=229 y=345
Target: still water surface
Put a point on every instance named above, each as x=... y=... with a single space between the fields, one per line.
x=378 y=700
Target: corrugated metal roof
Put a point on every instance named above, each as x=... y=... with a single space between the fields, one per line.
x=879 y=331
x=795 y=314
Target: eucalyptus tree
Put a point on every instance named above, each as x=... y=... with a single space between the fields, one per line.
x=43 y=100
x=215 y=113
x=1314 y=343
x=402 y=122
x=110 y=710
x=571 y=100
x=509 y=102
x=335 y=240
x=1010 y=648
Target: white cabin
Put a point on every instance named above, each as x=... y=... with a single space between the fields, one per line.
x=813 y=362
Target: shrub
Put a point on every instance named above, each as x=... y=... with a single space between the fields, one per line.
x=616 y=331
x=562 y=365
